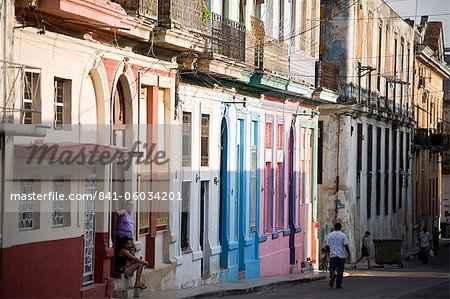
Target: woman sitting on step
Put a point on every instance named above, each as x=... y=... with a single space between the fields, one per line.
x=127 y=263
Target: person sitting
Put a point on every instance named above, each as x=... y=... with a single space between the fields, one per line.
x=127 y=263
x=132 y=250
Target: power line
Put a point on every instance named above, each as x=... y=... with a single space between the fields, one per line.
x=391 y=17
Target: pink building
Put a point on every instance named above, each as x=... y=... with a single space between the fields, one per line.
x=288 y=192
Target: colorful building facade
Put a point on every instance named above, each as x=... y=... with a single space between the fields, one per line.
x=268 y=141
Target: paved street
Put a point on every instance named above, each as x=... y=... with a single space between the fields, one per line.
x=414 y=281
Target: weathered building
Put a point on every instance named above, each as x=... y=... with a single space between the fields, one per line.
x=445 y=206
x=366 y=168
x=81 y=83
x=429 y=139
x=227 y=89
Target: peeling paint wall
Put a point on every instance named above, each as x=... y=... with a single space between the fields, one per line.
x=360 y=37
x=350 y=35
x=345 y=203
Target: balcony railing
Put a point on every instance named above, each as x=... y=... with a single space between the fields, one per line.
x=264 y=52
x=276 y=57
x=439 y=142
x=145 y=8
x=302 y=67
x=421 y=139
x=254 y=48
x=327 y=75
x=228 y=37
x=187 y=13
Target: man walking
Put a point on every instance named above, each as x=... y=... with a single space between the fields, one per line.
x=337 y=242
x=365 y=250
x=425 y=240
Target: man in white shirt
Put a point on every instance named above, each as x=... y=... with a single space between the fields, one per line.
x=425 y=239
x=337 y=246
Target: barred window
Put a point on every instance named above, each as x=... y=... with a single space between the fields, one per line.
x=26 y=207
x=58 y=205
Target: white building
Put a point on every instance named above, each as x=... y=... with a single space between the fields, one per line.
x=366 y=136
x=82 y=95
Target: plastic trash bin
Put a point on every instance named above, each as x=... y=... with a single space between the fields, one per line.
x=389 y=252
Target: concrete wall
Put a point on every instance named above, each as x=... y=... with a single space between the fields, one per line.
x=341 y=203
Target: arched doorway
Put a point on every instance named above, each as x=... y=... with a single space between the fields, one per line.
x=121 y=116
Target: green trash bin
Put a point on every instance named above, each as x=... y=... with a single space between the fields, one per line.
x=389 y=251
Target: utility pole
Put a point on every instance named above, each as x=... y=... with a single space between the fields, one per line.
x=367 y=71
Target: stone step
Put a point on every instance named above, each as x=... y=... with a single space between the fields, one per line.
x=129 y=293
x=138 y=293
x=125 y=283
x=124 y=288
x=123 y=293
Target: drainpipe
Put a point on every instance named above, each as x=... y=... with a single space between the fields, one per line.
x=337 y=167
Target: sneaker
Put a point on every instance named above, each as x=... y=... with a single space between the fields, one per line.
x=331 y=282
x=339 y=287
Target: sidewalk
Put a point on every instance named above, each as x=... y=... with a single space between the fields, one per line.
x=245 y=286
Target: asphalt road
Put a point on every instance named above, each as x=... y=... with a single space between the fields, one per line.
x=414 y=281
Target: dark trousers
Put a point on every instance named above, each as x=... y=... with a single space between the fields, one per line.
x=426 y=252
x=337 y=265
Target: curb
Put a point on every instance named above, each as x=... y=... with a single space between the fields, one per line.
x=257 y=289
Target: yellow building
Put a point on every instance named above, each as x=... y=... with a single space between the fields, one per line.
x=430 y=71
